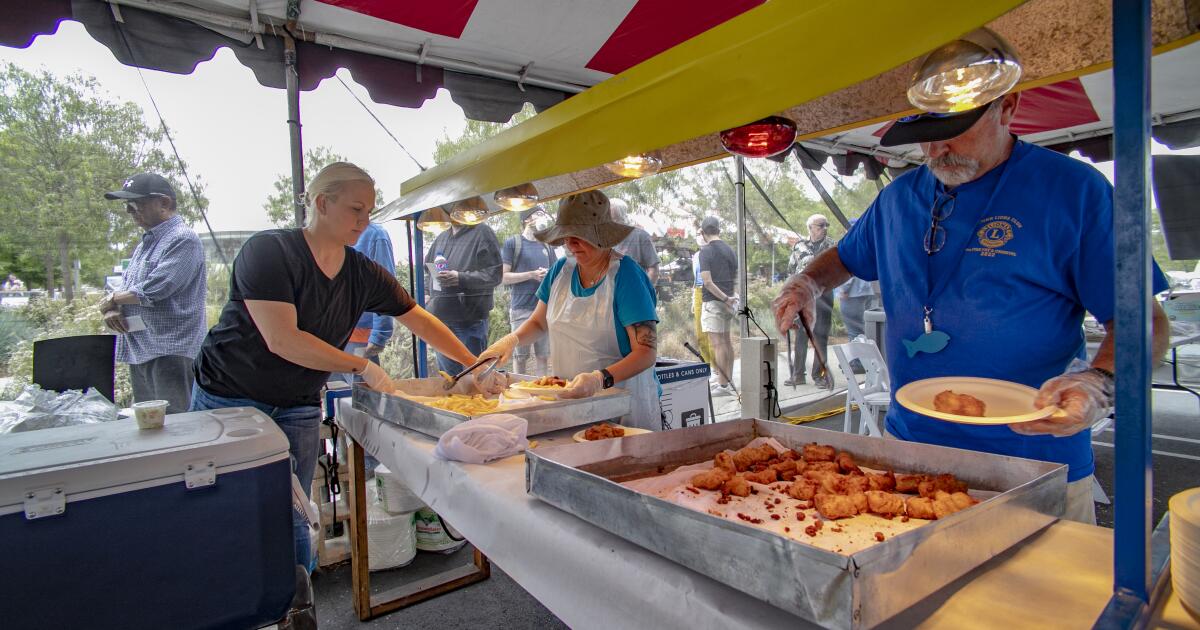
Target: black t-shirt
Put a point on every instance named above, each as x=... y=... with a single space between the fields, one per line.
x=278 y=266
x=718 y=259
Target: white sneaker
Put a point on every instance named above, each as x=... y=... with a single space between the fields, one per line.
x=722 y=390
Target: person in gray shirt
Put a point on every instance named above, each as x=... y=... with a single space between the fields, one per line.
x=637 y=245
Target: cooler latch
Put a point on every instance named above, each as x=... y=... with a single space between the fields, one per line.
x=44 y=502
x=200 y=474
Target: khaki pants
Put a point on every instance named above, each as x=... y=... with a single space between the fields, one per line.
x=1080 y=507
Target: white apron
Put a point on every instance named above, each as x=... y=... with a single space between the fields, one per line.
x=583 y=338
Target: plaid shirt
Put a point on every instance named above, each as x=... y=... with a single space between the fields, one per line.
x=167 y=275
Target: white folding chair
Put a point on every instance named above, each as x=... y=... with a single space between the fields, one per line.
x=874 y=394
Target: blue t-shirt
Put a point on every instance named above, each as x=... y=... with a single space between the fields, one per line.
x=633 y=297
x=1032 y=262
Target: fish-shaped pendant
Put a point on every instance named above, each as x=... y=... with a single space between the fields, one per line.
x=929 y=342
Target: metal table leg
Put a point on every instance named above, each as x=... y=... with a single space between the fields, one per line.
x=369 y=606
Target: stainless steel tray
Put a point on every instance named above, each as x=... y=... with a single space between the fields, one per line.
x=543 y=416
x=859 y=590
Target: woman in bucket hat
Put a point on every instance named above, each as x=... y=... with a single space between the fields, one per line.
x=598 y=307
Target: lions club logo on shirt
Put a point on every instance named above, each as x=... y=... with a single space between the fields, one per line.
x=994 y=234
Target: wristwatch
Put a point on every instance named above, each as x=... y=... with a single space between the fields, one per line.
x=608 y=378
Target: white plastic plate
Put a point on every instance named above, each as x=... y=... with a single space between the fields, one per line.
x=1006 y=402
x=578 y=437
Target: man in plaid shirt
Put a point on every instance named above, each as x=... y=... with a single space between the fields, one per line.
x=158 y=313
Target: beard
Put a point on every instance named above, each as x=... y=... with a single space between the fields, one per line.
x=952 y=169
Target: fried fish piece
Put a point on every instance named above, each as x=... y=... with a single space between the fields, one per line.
x=765 y=476
x=827 y=481
x=725 y=460
x=909 y=484
x=920 y=507
x=946 y=503
x=737 y=485
x=711 y=479
x=884 y=503
x=845 y=462
x=823 y=466
x=945 y=482
x=885 y=482
x=802 y=489
x=835 y=506
x=959 y=404
x=603 y=431
x=784 y=467
x=818 y=452
x=853 y=484
x=747 y=456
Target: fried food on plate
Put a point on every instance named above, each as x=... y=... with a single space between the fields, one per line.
x=818 y=453
x=786 y=469
x=827 y=481
x=467 y=405
x=603 y=431
x=959 y=404
x=711 y=479
x=945 y=503
x=884 y=503
x=823 y=466
x=545 y=382
x=909 y=484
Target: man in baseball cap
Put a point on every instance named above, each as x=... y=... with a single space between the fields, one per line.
x=987 y=258
x=158 y=313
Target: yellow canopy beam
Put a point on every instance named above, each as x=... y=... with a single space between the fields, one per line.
x=773 y=57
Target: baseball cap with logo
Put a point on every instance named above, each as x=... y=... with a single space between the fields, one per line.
x=143 y=185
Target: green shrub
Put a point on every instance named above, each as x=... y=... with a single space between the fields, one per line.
x=13 y=328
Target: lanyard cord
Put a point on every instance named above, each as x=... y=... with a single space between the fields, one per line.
x=932 y=292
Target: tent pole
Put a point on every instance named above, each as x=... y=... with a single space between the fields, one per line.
x=416 y=261
x=827 y=198
x=739 y=191
x=297 y=141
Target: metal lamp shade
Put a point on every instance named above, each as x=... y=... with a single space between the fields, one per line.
x=434 y=221
x=634 y=166
x=471 y=211
x=517 y=198
x=965 y=73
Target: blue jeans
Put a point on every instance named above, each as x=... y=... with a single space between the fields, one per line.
x=474 y=336
x=302 y=426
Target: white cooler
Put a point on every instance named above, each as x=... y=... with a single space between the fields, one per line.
x=188 y=526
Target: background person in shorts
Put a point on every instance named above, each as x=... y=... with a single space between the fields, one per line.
x=718 y=268
x=525 y=261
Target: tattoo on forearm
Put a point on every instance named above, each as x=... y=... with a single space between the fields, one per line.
x=646 y=334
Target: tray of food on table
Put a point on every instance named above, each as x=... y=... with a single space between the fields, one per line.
x=841 y=529
x=424 y=405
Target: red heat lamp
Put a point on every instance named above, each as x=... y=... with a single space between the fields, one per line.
x=762 y=138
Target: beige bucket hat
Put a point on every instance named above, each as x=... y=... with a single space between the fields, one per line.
x=586 y=216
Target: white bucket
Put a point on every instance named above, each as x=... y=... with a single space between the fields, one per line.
x=394 y=496
x=434 y=534
x=391 y=538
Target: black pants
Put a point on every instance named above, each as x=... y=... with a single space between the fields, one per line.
x=820 y=333
x=166 y=378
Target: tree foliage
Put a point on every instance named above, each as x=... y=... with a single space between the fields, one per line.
x=63 y=144
x=279 y=206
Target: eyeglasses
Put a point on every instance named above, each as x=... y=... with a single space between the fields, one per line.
x=935 y=237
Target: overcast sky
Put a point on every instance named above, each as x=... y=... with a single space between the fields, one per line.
x=232 y=131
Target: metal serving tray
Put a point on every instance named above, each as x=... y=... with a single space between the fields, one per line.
x=835 y=590
x=543 y=416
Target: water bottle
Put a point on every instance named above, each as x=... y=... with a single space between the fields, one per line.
x=439 y=262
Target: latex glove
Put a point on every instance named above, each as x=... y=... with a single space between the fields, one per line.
x=115 y=322
x=798 y=297
x=491 y=384
x=502 y=350
x=377 y=379
x=584 y=385
x=1084 y=397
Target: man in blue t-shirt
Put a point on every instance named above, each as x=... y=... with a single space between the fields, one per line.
x=525 y=262
x=987 y=258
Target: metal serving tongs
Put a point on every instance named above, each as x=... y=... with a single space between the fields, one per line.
x=450 y=383
x=826 y=380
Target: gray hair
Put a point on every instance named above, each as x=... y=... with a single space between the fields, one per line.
x=618 y=210
x=330 y=180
